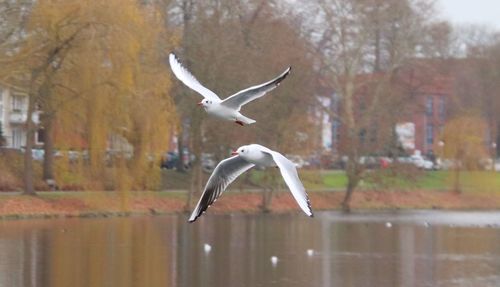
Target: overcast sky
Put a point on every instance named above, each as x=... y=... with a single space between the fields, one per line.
x=485 y=12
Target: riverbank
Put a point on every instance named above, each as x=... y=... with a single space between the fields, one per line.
x=104 y=204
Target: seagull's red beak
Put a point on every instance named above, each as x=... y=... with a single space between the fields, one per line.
x=200 y=104
x=234 y=152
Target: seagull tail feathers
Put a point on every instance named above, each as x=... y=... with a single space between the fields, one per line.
x=245 y=120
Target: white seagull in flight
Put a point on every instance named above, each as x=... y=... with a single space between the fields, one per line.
x=229 y=108
x=242 y=160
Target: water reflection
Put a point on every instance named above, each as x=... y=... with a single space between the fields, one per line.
x=166 y=251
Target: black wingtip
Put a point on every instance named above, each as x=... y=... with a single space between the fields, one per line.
x=287 y=71
x=194 y=219
x=172 y=54
x=283 y=76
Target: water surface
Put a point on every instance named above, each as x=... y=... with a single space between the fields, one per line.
x=424 y=248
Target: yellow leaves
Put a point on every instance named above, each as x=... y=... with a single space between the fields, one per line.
x=112 y=83
x=463 y=139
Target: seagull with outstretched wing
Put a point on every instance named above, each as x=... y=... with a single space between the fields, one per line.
x=229 y=108
x=243 y=159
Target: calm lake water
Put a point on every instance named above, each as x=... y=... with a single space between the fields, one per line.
x=424 y=248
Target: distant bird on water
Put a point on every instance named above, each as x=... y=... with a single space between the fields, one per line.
x=242 y=160
x=229 y=108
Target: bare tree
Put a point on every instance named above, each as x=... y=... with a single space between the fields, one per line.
x=231 y=46
x=360 y=37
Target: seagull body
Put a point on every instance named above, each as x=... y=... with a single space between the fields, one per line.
x=242 y=160
x=229 y=108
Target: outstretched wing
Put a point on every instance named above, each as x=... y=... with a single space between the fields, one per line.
x=225 y=173
x=289 y=173
x=188 y=79
x=242 y=97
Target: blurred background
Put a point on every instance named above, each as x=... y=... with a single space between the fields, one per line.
x=383 y=94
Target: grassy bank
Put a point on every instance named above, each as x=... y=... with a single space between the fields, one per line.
x=94 y=204
x=470 y=181
x=382 y=189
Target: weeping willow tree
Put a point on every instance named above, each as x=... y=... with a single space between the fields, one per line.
x=107 y=95
x=463 y=139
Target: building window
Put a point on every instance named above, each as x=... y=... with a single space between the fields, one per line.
x=429 y=134
x=429 y=106
x=362 y=136
x=40 y=136
x=335 y=103
x=362 y=105
x=335 y=132
x=17 y=138
x=17 y=103
x=442 y=109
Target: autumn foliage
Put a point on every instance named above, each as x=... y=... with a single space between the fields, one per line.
x=95 y=71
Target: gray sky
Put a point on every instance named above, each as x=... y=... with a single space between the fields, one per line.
x=485 y=12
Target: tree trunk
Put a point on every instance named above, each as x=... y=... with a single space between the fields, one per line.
x=346 y=203
x=456 y=181
x=28 y=159
x=196 y=148
x=180 y=146
x=353 y=177
x=48 y=148
x=352 y=169
x=195 y=186
x=458 y=167
x=268 y=193
x=267 y=198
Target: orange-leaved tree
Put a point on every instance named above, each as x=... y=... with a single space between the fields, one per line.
x=463 y=139
x=98 y=77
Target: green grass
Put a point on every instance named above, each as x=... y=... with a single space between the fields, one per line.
x=471 y=181
x=434 y=180
x=334 y=179
x=312 y=179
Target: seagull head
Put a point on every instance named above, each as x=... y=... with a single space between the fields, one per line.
x=241 y=151
x=205 y=103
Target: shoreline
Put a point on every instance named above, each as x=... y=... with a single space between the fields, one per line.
x=115 y=204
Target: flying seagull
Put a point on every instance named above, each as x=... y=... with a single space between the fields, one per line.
x=229 y=108
x=243 y=159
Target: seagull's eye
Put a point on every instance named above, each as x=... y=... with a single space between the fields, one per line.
x=242 y=150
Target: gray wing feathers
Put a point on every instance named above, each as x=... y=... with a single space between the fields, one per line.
x=223 y=175
x=289 y=173
x=188 y=79
x=242 y=97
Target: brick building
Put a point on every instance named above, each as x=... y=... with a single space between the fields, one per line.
x=415 y=113
x=431 y=97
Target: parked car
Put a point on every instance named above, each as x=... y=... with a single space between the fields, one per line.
x=39 y=153
x=369 y=162
x=297 y=160
x=208 y=162
x=422 y=163
x=169 y=160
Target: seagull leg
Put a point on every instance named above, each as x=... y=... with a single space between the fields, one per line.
x=240 y=123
